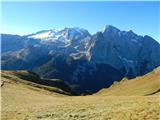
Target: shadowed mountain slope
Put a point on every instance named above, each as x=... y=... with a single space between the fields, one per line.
x=91 y=62
x=148 y=84
x=32 y=79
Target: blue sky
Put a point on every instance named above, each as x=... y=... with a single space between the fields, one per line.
x=29 y=17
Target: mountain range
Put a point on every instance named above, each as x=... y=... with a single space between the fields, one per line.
x=87 y=62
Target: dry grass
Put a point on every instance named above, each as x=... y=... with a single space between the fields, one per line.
x=145 y=85
x=32 y=80
x=24 y=102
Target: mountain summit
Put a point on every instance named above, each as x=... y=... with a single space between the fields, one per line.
x=65 y=35
x=89 y=62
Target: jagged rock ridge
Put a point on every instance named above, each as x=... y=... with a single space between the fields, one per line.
x=90 y=62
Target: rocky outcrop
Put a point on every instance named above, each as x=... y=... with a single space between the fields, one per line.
x=89 y=62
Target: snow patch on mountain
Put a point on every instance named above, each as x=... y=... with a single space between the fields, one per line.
x=124 y=51
x=67 y=37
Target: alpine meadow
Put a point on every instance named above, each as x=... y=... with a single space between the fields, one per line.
x=71 y=60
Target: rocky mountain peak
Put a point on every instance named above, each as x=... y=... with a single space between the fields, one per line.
x=75 y=56
x=110 y=29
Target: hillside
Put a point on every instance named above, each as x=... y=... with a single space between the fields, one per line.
x=26 y=100
x=33 y=80
x=145 y=85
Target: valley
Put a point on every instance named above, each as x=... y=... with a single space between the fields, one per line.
x=80 y=60
x=23 y=100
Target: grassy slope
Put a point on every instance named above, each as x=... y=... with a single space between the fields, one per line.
x=34 y=80
x=145 y=85
x=25 y=101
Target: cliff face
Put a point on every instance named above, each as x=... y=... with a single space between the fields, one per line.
x=133 y=55
x=90 y=62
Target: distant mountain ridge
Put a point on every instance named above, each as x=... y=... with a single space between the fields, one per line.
x=79 y=58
